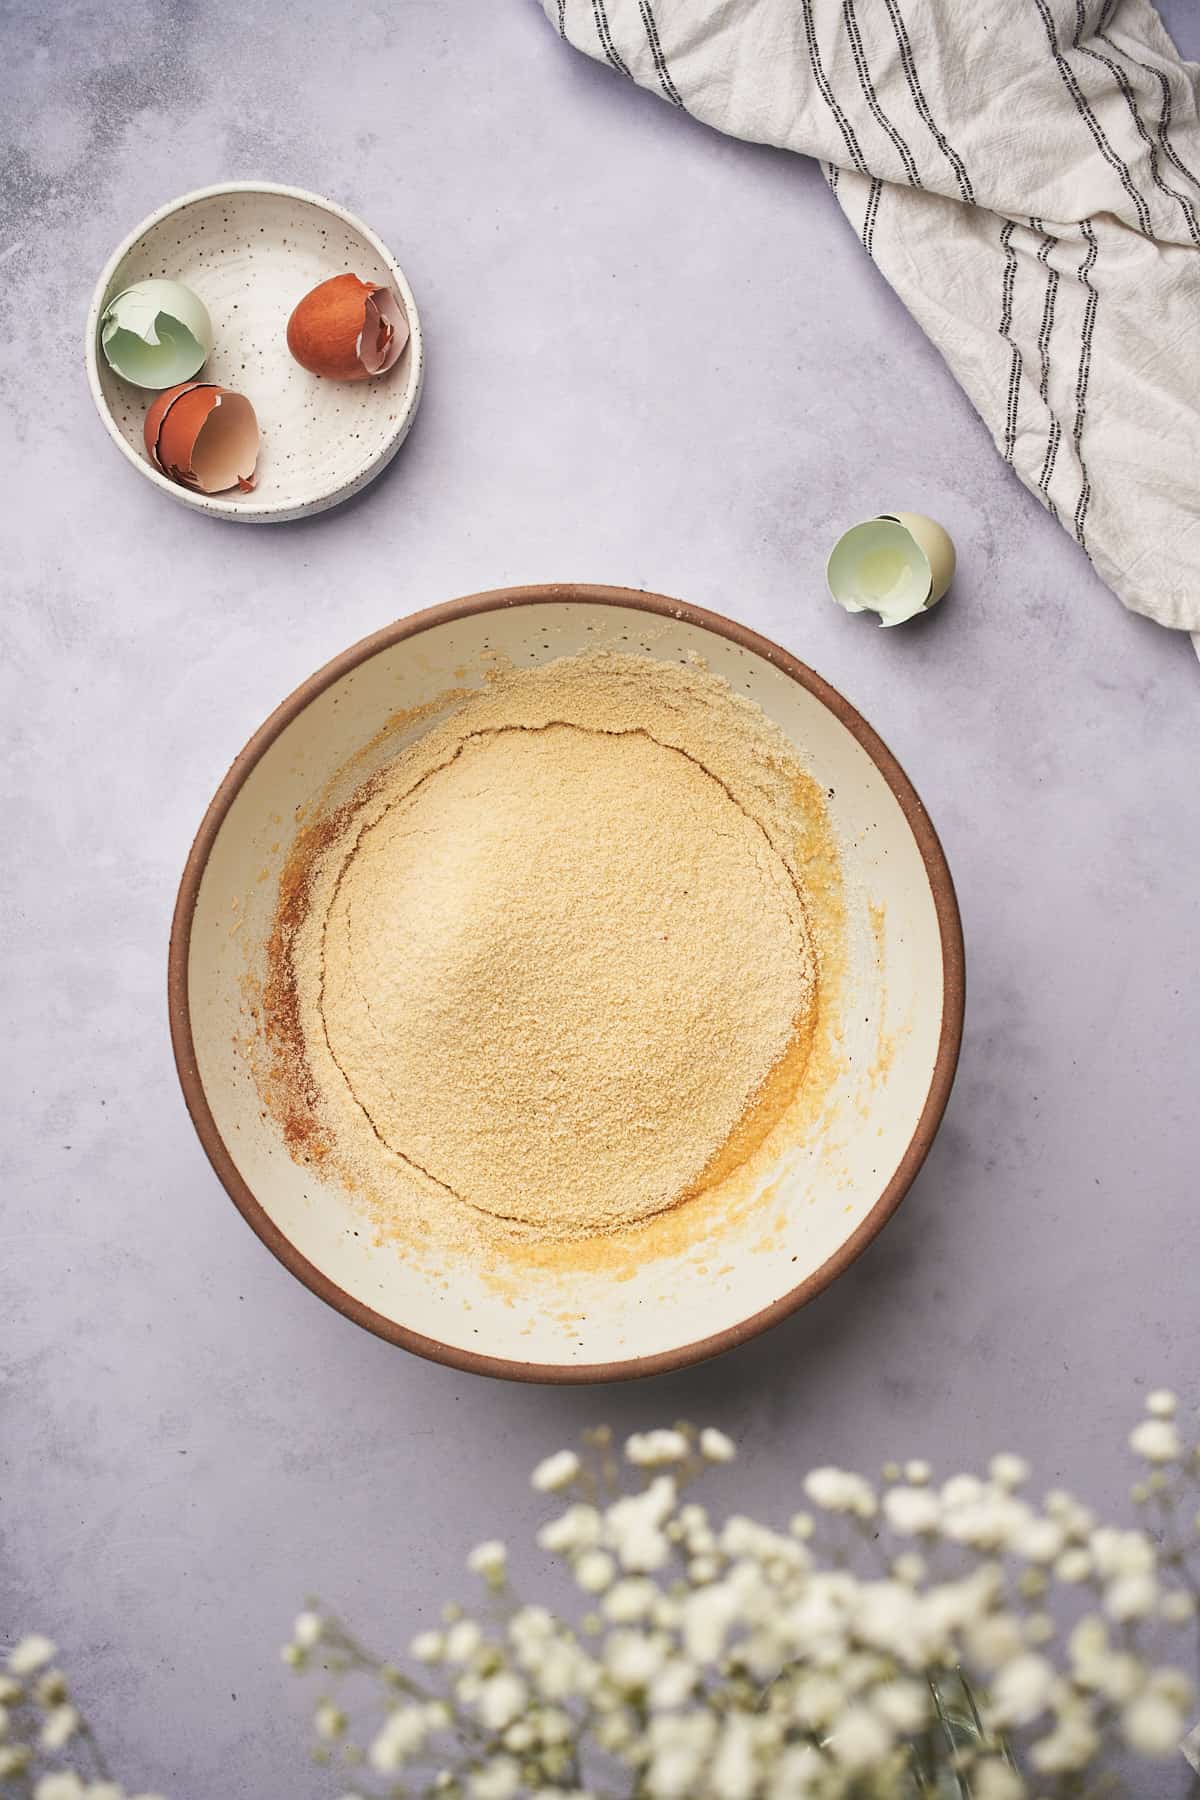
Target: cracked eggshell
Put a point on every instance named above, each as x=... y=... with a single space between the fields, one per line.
x=347 y=329
x=156 y=333
x=204 y=437
x=938 y=546
x=895 y=566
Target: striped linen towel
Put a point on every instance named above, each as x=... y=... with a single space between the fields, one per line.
x=1027 y=177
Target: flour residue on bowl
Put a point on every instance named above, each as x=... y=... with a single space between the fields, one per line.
x=551 y=972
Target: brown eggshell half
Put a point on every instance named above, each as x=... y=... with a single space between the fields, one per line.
x=204 y=437
x=348 y=329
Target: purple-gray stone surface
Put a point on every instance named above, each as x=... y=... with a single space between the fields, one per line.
x=656 y=357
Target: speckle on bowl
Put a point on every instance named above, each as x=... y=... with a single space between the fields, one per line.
x=251 y=251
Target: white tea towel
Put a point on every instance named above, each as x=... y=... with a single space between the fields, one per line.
x=1027 y=177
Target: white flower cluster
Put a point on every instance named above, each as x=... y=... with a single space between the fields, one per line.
x=39 y=1724
x=733 y=1661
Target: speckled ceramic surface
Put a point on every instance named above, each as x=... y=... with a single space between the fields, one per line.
x=723 y=1276
x=251 y=251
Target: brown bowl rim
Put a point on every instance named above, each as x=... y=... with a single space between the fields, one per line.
x=945 y=1063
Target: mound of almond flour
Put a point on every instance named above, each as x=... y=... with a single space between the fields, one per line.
x=547 y=960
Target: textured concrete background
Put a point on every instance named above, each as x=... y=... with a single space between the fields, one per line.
x=656 y=358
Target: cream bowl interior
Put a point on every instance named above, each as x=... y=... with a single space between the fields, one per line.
x=815 y=1209
x=251 y=251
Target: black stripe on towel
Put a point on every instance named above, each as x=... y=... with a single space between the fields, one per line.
x=1043 y=344
x=826 y=92
x=656 y=50
x=1014 y=368
x=831 y=175
x=870 y=216
x=872 y=98
x=1165 y=95
x=562 y=18
x=904 y=45
x=1089 y=118
x=1084 y=272
x=1130 y=98
x=604 y=32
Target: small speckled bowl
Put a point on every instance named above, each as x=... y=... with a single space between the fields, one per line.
x=251 y=250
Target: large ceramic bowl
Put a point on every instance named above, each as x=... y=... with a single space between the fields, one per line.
x=251 y=250
x=812 y=1212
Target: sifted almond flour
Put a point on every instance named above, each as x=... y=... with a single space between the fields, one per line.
x=549 y=972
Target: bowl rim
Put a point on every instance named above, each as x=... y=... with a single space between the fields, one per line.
x=941 y=1079
x=258 y=512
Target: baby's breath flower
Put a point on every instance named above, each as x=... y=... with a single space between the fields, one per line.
x=910 y=1568
x=801 y=1525
x=733 y=1775
x=577 y=1529
x=632 y=1660
x=715 y=1447
x=1073 y=1565
x=837 y=1490
x=634 y=1526
x=555 y=1472
x=62 y=1722
x=51 y=1690
x=462 y=1641
x=708 y=1614
x=501 y=1699
x=490 y=1560
x=679 y=1745
x=1153 y=1725
x=1009 y=1471
x=860 y=1739
x=904 y=1704
x=912 y=1510
x=594 y=1571
x=293 y=1656
x=428 y=1646
x=1071 y=1744
x=1156 y=1441
x=499 y=1779
x=1131 y=1597
x=674 y=1684
x=65 y=1785
x=992 y=1779
x=996 y=1640
x=1177 y=1607
x=1075 y=1519
x=30 y=1655
x=329 y=1721
x=1022 y=1690
x=630 y=1599
x=520 y=1737
x=917 y=1471
x=14 y=1760
x=654 y=1449
x=402 y=1735
x=306 y=1632
x=1161 y=1403
x=1122 y=1552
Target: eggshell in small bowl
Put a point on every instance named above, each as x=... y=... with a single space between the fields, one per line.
x=251 y=251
